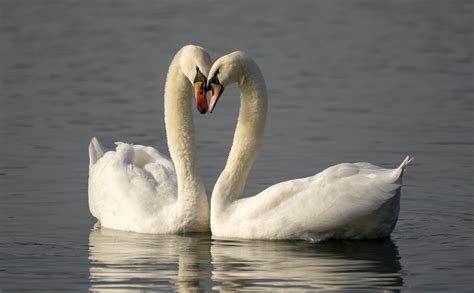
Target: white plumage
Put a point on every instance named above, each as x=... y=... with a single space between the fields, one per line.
x=133 y=188
x=136 y=188
x=344 y=201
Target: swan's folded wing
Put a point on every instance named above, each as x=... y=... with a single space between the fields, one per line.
x=328 y=200
x=346 y=192
x=131 y=181
x=147 y=154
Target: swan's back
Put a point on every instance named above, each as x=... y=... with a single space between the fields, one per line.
x=132 y=188
x=357 y=200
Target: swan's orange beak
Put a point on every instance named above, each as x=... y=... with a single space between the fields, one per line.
x=201 y=96
x=216 y=89
x=200 y=91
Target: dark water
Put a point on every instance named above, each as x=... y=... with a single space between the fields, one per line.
x=348 y=81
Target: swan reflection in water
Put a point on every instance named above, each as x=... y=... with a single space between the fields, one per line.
x=331 y=265
x=130 y=262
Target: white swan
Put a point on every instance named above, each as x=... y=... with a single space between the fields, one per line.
x=136 y=188
x=344 y=201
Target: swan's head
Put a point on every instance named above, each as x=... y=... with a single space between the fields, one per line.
x=226 y=70
x=195 y=63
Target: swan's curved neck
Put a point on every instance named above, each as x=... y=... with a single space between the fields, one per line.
x=180 y=136
x=247 y=137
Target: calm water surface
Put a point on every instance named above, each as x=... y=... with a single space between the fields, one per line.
x=348 y=81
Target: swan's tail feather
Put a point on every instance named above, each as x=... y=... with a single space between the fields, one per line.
x=96 y=151
x=405 y=162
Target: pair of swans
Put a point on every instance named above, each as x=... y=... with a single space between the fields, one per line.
x=136 y=188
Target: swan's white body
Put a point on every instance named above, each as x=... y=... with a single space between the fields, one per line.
x=350 y=201
x=135 y=188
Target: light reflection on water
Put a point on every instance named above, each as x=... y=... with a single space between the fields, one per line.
x=125 y=262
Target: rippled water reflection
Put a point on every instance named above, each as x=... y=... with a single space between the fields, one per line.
x=123 y=261
x=259 y=265
x=127 y=261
